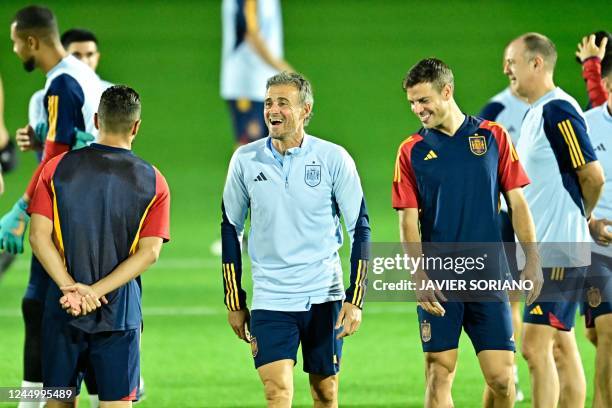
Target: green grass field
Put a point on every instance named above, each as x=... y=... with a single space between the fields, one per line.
x=355 y=53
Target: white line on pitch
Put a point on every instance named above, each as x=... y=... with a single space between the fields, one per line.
x=374 y=309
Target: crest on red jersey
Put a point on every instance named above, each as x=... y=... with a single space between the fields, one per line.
x=478 y=145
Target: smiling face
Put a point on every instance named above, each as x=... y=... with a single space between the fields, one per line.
x=519 y=68
x=428 y=104
x=283 y=112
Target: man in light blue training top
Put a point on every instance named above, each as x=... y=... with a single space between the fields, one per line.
x=296 y=187
x=566 y=182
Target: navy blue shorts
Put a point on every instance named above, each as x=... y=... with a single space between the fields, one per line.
x=277 y=335
x=248 y=120
x=565 y=284
x=598 y=289
x=38 y=282
x=114 y=358
x=488 y=324
x=560 y=315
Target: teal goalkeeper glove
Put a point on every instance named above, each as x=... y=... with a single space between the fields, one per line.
x=40 y=131
x=13 y=226
x=83 y=139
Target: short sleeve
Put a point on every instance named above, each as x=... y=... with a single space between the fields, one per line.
x=510 y=172
x=42 y=199
x=404 y=193
x=567 y=133
x=36 y=109
x=157 y=219
x=64 y=102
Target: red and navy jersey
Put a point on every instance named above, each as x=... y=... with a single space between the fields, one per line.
x=456 y=181
x=102 y=200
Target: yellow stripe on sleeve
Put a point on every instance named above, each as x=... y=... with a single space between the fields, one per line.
x=573 y=137
x=250 y=15
x=569 y=144
x=57 y=228
x=357 y=283
x=235 y=287
x=137 y=237
x=52 y=104
x=364 y=266
x=227 y=288
x=513 y=154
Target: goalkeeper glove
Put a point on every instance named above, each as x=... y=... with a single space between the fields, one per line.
x=83 y=139
x=40 y=131
x=13 y=226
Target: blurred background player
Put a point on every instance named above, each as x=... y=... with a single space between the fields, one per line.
x=598 y=304
x=252 y=52
x=8 y=161
x=103 y=261
x=556 y=152
x=83 y=45
x=509 y=109
x=428 y=187
x=8 y=158
x=591 y=51
x=72 y=94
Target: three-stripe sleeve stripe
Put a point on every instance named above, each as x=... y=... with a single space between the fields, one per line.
x=362 y=270
x=231 y=288
x=569 y=135
x=228 y=298
x=557 y=273
x=52 y=107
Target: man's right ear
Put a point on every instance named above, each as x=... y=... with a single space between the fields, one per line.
x=96 y=121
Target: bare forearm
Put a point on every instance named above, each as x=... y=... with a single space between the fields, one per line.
x=410 y=235
x=524 y=228
x=126 y=271
x=591 y=179
x=48 y=255
x=591 y=191
x=254 y=38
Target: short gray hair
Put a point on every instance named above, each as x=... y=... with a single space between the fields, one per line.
x=297 y=80
x=538 y=44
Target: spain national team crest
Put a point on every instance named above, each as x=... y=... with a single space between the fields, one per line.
x=594 y=297
x=425 y=332
x=312 y=175
x=254 y=348
x=478 y=145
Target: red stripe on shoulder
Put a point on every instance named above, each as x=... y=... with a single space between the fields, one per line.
x=497 y=130
x=54 y=162
x=409 y=142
